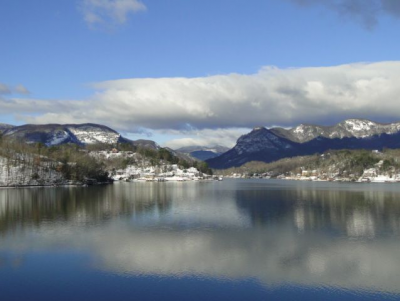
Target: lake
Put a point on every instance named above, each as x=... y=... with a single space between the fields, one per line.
x=229 y=240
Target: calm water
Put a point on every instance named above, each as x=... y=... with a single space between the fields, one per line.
x=230 y=240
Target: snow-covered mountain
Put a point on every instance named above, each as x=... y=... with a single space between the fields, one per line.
x=82 y=134
x=54 y=134
x=359 y=128
x=91 y=134
x=269 y=145
x=203 y=152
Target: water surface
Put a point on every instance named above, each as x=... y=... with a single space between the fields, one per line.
x=230 y=240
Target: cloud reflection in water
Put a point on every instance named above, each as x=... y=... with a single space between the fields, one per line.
x=344 y=236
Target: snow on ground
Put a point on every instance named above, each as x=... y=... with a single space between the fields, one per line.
x=22 y=172
x=142 y=169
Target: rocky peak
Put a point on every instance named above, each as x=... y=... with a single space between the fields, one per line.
x=359 y=128
x=259 y=139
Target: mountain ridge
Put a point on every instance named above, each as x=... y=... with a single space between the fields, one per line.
x=268 y=145
x=360 y=128
x=203 y=153
x=4 y=127
x=82 y=134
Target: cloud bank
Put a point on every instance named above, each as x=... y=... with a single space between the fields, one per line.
x=206 y=137
x=367 y=12
x=273 y=96
x=97 y=12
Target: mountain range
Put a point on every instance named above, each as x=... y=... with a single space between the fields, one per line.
x=261 y=144
x=81 y=134
x=203 y=152
x=268 y=145
x=85 y=134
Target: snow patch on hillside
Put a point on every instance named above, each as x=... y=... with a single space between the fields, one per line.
x=94 y=135
x=58 y=138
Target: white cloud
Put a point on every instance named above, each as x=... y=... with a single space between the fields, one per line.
x=195 y=106
x=20 y=89
x=4 y=89
x=8 y=89
x=366 y=12
x=271 y=96
x=206 y=137
x=109 y=11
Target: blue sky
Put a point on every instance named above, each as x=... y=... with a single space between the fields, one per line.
x=64 y=60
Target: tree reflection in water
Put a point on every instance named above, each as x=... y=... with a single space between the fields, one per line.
x=312 y=234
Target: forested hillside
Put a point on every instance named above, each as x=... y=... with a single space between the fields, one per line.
x=342 y=163
x=37 y=164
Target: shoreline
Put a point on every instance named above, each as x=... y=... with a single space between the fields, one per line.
x=319 y=180
x=200 y=181
x=52 y=185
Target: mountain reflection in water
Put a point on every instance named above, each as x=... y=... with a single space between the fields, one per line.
x=280 y=233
